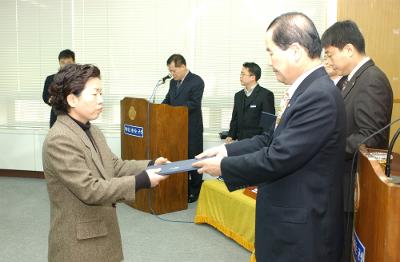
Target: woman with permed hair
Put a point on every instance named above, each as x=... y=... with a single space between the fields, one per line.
x=84 y=178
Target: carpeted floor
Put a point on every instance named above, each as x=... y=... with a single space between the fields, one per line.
x=24 y=225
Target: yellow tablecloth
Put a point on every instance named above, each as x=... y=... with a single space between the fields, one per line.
x=232 y=213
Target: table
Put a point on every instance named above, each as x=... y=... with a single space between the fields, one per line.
x=232 y=213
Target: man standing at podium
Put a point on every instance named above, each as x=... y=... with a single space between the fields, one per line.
x=299 y=170
x=368 y=99
x=186 y=89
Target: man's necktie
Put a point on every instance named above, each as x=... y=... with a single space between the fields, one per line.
x=282 y=107
x=178 y=83
x=345 y=84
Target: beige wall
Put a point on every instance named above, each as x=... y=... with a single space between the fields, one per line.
x=379 y=21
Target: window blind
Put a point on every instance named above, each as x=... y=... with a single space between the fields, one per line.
x=130 y=41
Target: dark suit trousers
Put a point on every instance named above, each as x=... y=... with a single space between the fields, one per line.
x=348 y=236
x=349 y=177
x=195 y=179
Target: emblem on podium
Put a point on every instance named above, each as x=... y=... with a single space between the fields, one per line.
x=132 y=113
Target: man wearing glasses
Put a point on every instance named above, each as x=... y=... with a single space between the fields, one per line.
x=249 y=103
x=186 y=89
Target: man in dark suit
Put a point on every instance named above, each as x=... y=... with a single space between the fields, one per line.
x=299 y=171
x=186 y=89
x=64 y=58
x=248 y=105
x=368 y=99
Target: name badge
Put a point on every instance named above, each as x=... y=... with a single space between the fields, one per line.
x=253 y=106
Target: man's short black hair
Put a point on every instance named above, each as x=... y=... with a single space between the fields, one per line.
x=178 y=59
x=254 y=69
x=343 y=33
x=66 y=54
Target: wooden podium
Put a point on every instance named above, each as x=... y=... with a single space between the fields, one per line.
x=149 y=131
x=377 y=220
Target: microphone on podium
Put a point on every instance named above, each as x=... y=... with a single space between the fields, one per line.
x=389 y=152
x=353 y=172
x=379 y=131
x=160 y=82
x=165 y=78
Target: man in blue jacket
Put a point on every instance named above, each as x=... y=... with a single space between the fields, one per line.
x=298 y=171
x=186 y=89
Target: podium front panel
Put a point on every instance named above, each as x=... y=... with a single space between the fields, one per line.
x=149 y=131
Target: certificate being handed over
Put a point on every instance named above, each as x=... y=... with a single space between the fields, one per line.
x=176 y=167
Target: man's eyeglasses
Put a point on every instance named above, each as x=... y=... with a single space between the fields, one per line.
x=243 y=74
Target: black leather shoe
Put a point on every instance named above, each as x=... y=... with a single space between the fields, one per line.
x=192 y=198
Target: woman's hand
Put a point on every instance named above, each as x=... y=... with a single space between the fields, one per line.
x=161 y=160
x=155 y=178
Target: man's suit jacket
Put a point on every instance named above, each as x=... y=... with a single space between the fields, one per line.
x=368 y=99
x=189 y=94
x=299 y=208
x=83 y=183
x=46 y=96
x=245 y=122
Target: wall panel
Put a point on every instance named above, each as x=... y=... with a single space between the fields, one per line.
x=379 y=21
